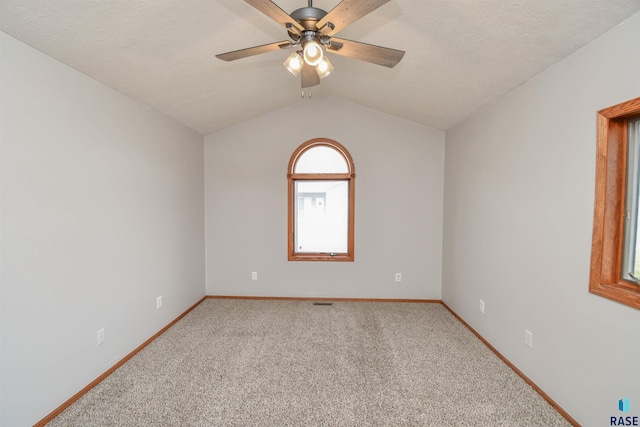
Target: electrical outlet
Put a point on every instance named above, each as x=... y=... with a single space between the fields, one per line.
x=482 y=306
x=158 y=302
x=398 y=277
x=528 y=338
x=100 y=336
x=254 y=275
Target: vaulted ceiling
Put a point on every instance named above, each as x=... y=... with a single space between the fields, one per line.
x=460 y=54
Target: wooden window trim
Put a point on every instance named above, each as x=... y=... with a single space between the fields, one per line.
x=609 y=211
x=292 y=177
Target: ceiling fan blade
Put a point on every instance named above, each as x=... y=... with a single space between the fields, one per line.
x=345 y=13
x=384 y=56
x=309 y=76
x=274 y=12
x=251 y=51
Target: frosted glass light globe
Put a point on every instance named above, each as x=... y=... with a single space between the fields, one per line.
x=312 y=53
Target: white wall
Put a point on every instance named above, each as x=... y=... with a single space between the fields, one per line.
x=519 y=192
x=398 y=214
x=102 y=211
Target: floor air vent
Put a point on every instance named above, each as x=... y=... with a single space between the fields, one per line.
x=322 y=303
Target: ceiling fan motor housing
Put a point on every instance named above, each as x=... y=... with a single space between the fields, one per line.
x=308 y=16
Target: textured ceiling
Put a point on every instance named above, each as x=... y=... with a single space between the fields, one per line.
x=460 y=54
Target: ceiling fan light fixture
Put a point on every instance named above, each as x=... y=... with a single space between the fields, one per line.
x=293 y=63
x=312 y=53
x=324 y=68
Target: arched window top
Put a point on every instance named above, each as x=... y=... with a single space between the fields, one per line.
x=321 y=156
x=321 y=159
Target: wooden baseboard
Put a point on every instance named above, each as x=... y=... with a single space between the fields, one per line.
x=109 y=371
x=263 y=298
x=95 y=382
x=526 y=379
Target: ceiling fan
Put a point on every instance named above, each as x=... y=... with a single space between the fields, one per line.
x=311 y=30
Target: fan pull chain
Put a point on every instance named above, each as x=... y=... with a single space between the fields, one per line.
x=302 y=93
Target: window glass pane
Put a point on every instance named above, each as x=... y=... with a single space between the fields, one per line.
x=322 y=216
x=321 y=160
x=631 y=252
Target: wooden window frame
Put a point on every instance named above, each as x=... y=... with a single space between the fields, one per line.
x=350 y=176
x=609 y=211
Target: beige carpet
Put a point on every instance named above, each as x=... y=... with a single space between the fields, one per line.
x=292 y=363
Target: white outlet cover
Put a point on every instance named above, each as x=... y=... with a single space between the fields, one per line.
x=100 y=336
x=159 y=302
x=482 y=306
x=528 y=338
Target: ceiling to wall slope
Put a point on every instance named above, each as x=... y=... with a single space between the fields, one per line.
x=460 y=54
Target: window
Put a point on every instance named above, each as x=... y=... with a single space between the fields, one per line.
x=631 y=248
x=321 y=179
x=614 y=248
